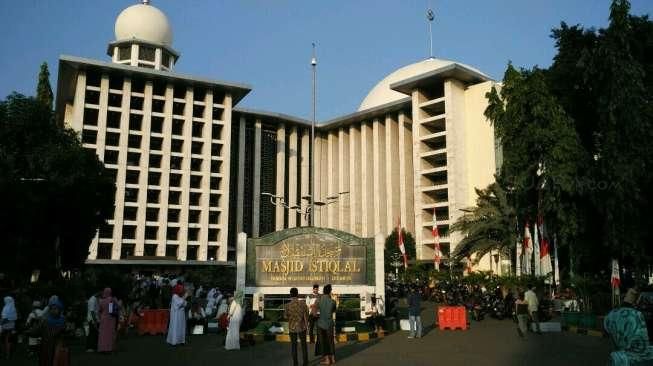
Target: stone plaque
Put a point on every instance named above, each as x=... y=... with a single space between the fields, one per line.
x=305 y=259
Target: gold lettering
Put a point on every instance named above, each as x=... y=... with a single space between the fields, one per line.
x=267 y=266
x=313 y=266
x=275 y=268
x=347 y=267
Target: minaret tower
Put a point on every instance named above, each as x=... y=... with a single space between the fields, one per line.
x=143 y=38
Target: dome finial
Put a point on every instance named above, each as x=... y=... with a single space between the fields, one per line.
x=145 y=2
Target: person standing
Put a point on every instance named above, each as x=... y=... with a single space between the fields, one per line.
x=8 y=324
x=325 y=345
x=235 y=317
x=51 y=331
x=533 y=307
x=414 y=313
x=311 y=302
x=177 y=325
x=521 y=310
x=92 y=320
x=32 y=321
x=109 y=313
x=296 y=312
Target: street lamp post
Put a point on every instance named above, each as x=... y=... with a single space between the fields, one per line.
x=312 y=167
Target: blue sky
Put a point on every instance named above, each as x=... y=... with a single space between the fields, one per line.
x=267 y=43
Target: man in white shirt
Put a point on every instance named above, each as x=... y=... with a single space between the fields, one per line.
x=533 y=306
x=313 y=315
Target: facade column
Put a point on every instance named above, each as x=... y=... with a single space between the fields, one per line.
x=364 y=180
x=305 y=169
x=184 y=224
x=240 y=195
x=292 y=177
x=343 y=170
x=390 y=174
x=354 y=181
x=281 y=175
x=226 y=151
x=77 y=121
x=331 y=178
x=376 y=176
x=143 y=168
x=402 y=170
x=256 y=204
x=317 y=170
x=165 y=167
x=205 y=186
x=122 y=166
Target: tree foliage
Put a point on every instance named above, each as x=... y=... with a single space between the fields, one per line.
x=52 y=190
x=392 y=251
x=43 y=89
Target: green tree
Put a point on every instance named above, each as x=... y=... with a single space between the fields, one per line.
x=43 y=89
x=392 y=251
x=55 y=194
x=488 y=226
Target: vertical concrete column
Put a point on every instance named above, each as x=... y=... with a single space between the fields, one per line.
x=281 y=175
x=134 y=55
x=122 y=166
x=143 y=168
x=331 y=177
x=157 y=58
x=402 y=169
x=292 y=177
x=390 y=174
x=379 y=272
x=241 y=261
x=365 y=181
x=240 y=194
x=343 y=179
x=256 y=204
x=317 y=170
x=305 y=172
x=165 y=170
x=226 y=151
x=354 y=181
x=376 y=176
x=78 y=104
x=205 y=201
x=100 y=143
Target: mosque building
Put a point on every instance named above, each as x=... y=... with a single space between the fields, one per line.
x=192 y=169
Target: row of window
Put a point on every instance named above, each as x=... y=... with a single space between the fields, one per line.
x=153 y=195
x=149 y=250
x=152 y=233
x=112 y=139
x=176 y=162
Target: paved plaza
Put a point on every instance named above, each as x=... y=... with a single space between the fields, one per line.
x=489 y=342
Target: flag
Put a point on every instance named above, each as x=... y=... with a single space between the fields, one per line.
x=556 y=266
x=615 y=281
x=545 y=252
x=436 y=242
x=528 y=250
x=400 y=243
x=518 y=250
x=536 y=251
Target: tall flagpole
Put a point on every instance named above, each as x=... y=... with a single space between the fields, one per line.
x=430 y=16
x=312 y=168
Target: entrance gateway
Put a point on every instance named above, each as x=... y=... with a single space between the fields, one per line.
x=300 y=257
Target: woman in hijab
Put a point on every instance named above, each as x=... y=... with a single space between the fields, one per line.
x=8 y=324
x=235 y=318
x=51 y=331
x=108 y=317
x=177 y=325
x=627 y=328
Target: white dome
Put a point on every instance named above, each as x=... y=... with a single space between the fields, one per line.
x=144 y=22
x=382 y=94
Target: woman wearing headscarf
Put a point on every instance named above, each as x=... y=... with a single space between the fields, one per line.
x=51 y=331
x=235 y=318
x=109 y=313
x=177 y=325
x=8 y=324
x=627 y=328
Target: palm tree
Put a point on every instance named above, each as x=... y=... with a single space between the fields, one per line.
x=488 y=226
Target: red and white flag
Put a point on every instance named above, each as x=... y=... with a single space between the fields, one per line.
x=528 y=250
x=436 y=242
x=615 y=280
x=545 y=253
x=400 y=243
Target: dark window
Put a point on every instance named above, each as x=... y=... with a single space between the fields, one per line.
x=115 y=100
x=125 y=53
x=129 y=232
x=134 y=141
x=112 y=139
x=198 y=127
x=217 y=113
x=199 y=94
x=135 y=121
x=213 y=235
x=196 y=164
x=194 y=198
x=158 y=105
x=174 y=197
x=198 y=111
x=138 y=85
x=218 y=97
x=106 y=231
x=231 y=255
x=193 y=233
x=173 y=215
x=90 y=116
x=214 y=217
x=93 y=78
x=216 y=149
x=127 y=250
x=92 y=97
x=154 y=179
x=175 y=162
x=195 y=181
x=165 y=59
x=131 y=194
x=175 y=180
x=215 y=183
x=152 y=214
x=180 y=91
x=215 y=166
x=196 y=147
x=113 y=119
x=153 y=196
x=212 y=253
x=146 y=53
x=214 y=200
x=111 y=156
x=89 y=136
x=178 y=108
x=171 y=251
x=177 y=145
x=130 y=213
x=104 y=250
x=155 y=161
x=149 y=250
x=136 y=103
x=115 y=81
x=113 y=173
x=156 y=143
x=159 y=88
x=172 y=233
x=132 y=176
x=177 y=127
x=191 y=252
x=133 y=158
x=156 y=125
x=151 y=232
x=194 y=216
x=216 y=131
